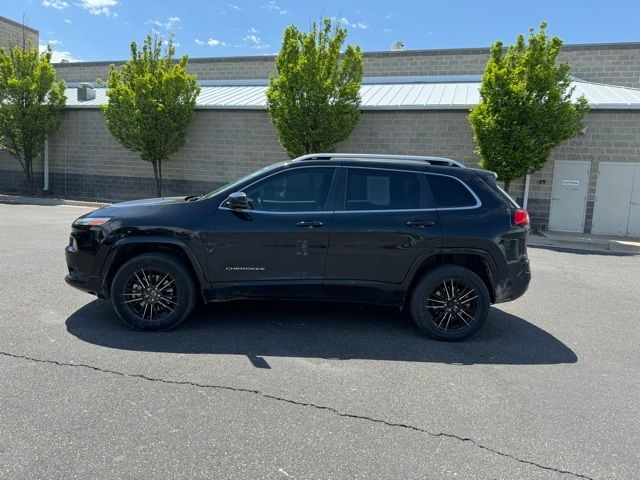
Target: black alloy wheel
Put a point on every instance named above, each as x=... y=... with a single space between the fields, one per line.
x=450 y=303
x=151 y=295
x=153 y=291
x=453 y=305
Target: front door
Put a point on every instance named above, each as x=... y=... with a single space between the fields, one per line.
x=384 y=221
x=281 y=239
x=569 y=197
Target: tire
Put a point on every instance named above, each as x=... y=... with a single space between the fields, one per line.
x=450 y=311
x=164 y=286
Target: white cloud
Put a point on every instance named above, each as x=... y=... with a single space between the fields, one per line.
x=169 y=23
x=252 y=38
x=212 y=42
x=54 y=42
x=57 y=4
x=99 y=7
x=199 y=42
x=389 y=16
x=58 y=55
x=273 y=6
x=360 y=25
x=235 y=7
x=176 y=45
x=66 y=20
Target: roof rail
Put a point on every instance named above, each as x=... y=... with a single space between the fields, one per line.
x=377 y=156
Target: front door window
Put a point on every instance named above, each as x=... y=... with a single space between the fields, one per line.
x=297 y=190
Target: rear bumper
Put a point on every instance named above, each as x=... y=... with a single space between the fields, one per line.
x=516 y=284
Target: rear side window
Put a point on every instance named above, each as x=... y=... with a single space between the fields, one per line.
x=369 y=189
x=449 y=192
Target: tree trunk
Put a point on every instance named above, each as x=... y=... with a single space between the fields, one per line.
x=156 y=175
x=507 y=184
x=160 y=178
x=28 y=171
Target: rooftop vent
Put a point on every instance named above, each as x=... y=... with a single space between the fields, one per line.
x=86 y=92
x=397 y=46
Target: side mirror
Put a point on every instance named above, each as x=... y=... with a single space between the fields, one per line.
x=238 y=201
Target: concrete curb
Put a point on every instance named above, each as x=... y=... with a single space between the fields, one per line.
x=604 y=246
x=22 y=200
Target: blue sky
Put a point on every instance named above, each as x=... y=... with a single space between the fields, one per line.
x=102 y=29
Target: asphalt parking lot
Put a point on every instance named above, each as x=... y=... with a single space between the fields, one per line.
x=549 y=389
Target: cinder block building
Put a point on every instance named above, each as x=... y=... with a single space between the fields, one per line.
x=413 y=102
x=14 y=33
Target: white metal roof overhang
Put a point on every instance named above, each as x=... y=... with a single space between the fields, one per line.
x=384 y=93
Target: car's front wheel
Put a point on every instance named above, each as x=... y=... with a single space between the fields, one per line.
x=450 y=303
x=153 y=291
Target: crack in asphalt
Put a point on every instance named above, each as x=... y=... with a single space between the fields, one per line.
x=298 y=403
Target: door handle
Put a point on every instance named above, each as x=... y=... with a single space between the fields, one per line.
x=420 y=223
x=309 y=224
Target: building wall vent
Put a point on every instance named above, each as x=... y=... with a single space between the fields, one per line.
x=86 y=92
x=397 y=46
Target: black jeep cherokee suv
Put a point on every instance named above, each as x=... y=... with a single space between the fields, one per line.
x=424 y=233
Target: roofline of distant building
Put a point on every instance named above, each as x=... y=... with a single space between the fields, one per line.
x=376 y=54
x=18 y=24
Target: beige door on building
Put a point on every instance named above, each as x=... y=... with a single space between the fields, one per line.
x=617 y=205
x=569 y=196
x=634 y=210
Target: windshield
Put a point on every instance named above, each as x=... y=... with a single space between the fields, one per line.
x=240 y=181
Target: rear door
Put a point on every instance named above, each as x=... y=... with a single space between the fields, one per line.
x=385 y=219
x=282 y=239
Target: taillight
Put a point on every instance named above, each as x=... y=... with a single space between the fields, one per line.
x=521 y=217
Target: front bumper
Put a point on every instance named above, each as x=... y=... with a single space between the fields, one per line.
x=79 y=285
x=78 y=264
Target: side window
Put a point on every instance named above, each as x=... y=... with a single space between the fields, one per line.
x=297 y=190
x=369 y=189
x=449 y=192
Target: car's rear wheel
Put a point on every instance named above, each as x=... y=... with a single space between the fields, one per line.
x=153 y=292
x=450 y=303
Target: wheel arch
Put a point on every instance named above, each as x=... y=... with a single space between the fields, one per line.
x=478 y=261
x=130 y=247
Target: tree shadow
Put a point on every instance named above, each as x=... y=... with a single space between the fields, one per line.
x=322 y=330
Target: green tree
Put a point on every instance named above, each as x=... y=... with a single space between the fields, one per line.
x=151 y=102
x=31 y=104
x=526 y=106
x=314 y=101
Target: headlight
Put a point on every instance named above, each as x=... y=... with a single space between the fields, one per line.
x=91 y=221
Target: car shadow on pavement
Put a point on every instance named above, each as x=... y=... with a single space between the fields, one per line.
x=322 y=330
